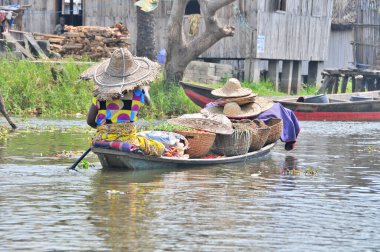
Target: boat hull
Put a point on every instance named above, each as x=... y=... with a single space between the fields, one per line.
x=124 y=160
x=340 y=109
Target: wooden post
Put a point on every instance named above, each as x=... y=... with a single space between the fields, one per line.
x=252 y=70
x=273 y=73
x=287 y=76
x=296 y=77
x=359 y=83
x=314 y=75
x=331 y=85
x=326 y=83
x=336 y=85
x=371 y=83
x=344 y=84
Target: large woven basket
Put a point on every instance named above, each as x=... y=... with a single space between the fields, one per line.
x=259 y=138
x=200 y=142
x=260 y=133
x=276 y=126
x=237 y=143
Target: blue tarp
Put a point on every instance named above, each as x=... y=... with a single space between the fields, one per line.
x=13 y=7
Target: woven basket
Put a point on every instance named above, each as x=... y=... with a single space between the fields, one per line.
x=200 y=142
x=260 y=133
x=276 y=126
x=235 y=144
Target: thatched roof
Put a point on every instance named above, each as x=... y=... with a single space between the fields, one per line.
x=344 y=12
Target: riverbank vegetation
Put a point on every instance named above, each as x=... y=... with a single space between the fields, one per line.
x=54 y=90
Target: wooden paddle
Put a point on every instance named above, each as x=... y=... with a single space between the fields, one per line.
x=80 y=159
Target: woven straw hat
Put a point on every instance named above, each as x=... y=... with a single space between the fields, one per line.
x=122 y=72
x=233 y=110
x=232 y=89
x=239 y=100
x=215 y=123
x=264 y=103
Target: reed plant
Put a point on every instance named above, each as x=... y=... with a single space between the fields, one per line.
x=167 y=101
x=50 y=89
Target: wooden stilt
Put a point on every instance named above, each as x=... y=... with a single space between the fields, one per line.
x=336 y=85
x=344 y=84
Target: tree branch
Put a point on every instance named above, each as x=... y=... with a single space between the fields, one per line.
x=208 y=39
x=175 y=22
x=213 y=5
x=214 y=32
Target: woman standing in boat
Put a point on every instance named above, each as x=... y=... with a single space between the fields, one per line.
x=121 y=91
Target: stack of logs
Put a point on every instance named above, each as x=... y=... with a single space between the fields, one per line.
x=91 y=41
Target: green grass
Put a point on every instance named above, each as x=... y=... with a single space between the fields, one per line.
x=167 y=102
x=28 y=87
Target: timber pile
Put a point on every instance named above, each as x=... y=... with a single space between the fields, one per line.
x=91 y=41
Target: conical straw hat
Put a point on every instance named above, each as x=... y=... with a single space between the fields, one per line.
x=232 y=89
x=122 y=72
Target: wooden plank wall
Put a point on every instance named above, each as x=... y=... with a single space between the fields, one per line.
x=40 y=17
x=340 y=49
x=106 y=13
x=300 y=33
x=367 y=37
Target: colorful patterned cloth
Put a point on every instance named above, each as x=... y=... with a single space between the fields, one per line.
x=119 y=111
x=122 y=136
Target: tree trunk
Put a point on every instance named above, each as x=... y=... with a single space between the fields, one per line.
x=181 y=52
x=146 y=42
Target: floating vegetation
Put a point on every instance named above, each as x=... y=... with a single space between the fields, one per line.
x=85 y=164
x=4 y=133
x=296 y=172
x=370 y=149
x=165 y=126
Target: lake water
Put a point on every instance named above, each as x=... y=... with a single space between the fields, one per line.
x=323 y=196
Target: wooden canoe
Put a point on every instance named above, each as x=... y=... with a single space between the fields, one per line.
x=340 y=108
x=126 y=160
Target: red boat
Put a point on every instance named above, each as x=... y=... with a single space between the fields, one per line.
x=340 y=107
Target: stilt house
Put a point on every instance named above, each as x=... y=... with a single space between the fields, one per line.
x=280 y=33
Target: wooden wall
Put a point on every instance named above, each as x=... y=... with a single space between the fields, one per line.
x=340 y=49
x=299 y=33
x=41 y=17
x=367 y=33
x=108 y=12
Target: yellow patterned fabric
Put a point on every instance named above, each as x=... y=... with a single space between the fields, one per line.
x=119 y=110
x=126 y=132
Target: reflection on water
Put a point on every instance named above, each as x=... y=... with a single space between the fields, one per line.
x=253 y=206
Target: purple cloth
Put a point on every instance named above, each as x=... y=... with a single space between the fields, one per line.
x=291 y=127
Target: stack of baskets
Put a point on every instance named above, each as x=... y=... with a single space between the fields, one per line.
x=200 y=142
x=237 y=143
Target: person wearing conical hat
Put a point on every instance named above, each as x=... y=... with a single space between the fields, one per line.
x=121 y=90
